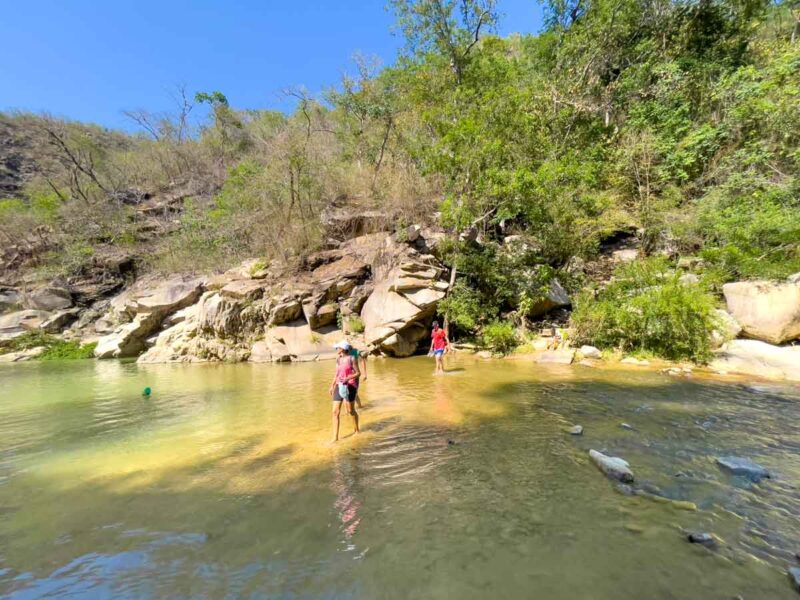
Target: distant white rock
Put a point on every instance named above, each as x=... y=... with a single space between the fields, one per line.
x=590 y=352
x=752 y=357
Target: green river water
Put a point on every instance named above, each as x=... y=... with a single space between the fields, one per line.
x=222 y=485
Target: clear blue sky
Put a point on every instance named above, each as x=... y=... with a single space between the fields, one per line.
x=89 y=60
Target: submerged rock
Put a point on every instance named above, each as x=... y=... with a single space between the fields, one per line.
x=613 y=466
x=576 y=430
x=744 y=467
x=627 y=426
x=704 y=539
x=794 y=575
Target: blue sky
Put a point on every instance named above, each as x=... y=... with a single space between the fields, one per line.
x=89 y=60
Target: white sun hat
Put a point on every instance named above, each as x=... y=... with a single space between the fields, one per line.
x=342 y=345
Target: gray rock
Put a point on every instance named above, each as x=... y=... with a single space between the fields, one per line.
x=744 y=467
x=705 y=539
x=613 y=466
x=793 y=278
x=627 y=426
x=60 y=320
x=556 y=297
x=576 y=430
x=50 y=298
x=794 y=575
x=689 y=279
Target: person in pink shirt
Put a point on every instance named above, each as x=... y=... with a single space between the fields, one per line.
x=344 y=387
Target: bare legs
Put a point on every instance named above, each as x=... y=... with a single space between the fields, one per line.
x=351 y=410
x=439 y=370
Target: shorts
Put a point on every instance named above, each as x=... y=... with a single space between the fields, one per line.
x=438 y=352
x=352 y=390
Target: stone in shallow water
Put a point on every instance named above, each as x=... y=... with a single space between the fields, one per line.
x=705 y=539
x=743 y=466
x=794 y=575
x=577 y=430
x=627 y=426
x=613 y=466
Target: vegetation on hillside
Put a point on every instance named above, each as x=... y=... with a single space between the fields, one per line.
x=674 y=120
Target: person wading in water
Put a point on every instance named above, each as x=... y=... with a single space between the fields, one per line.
x=343 y=387
x=439 y=345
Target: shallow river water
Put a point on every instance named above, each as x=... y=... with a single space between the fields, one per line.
x=221 y=484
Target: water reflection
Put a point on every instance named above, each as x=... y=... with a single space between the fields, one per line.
x=346 y=485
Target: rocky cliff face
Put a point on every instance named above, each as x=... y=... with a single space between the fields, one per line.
x=266 y=313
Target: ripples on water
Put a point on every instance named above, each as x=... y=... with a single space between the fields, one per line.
x=464 y=486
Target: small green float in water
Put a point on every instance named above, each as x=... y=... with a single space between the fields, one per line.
x=147 y=391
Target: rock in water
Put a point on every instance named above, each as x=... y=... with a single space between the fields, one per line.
x=612 y=466
x=705 y=539
x=743 y=466
x=577 y=430
x=794 y=575
x=627 y=426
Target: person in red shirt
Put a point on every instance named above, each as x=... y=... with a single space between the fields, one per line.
x=439 y=345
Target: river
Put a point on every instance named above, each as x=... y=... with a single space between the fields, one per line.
x=221 y=484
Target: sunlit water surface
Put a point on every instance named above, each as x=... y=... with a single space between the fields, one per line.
x=221 y=484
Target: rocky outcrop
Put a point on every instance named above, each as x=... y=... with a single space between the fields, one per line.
x=397 y=313
x=752 y=357
x=765 y=310
x=147 y=306
x=267 y=315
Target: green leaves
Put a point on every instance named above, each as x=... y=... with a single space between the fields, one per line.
x=646 y=308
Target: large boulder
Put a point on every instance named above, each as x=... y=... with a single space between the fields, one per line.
x=556 y=297
x=60 y=320
x=753 y=357
x=169 y=297
x=301 y=343
x=129 y=339
x=397 y=313
x=49 y=298
x=149 y=305
x=766 y=311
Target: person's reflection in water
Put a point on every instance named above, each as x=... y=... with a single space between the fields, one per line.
x=444 y=407
x=346 y=473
